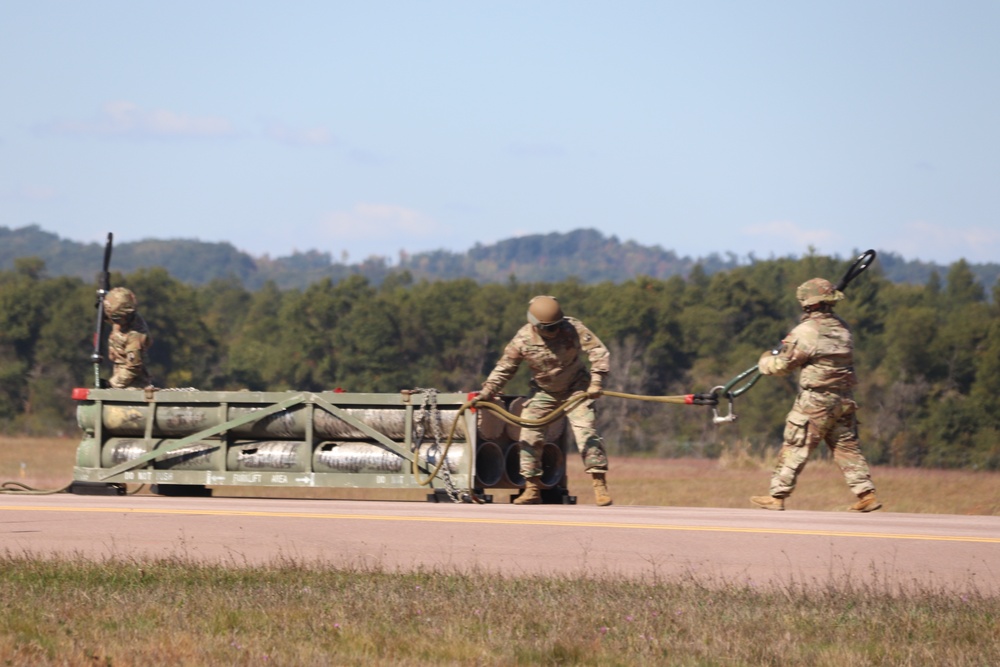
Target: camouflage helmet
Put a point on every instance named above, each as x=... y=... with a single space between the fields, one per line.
x=817 y=290
x=119 y=302
x=544 y=310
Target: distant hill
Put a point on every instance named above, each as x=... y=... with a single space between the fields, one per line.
x=584 y=253
x=190 y=261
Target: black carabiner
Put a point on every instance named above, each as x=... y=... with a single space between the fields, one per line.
x=863 y=261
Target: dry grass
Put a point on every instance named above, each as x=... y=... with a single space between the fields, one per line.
x=43 y=463
x=172 y=612
x=46 y=463
x=821 y=487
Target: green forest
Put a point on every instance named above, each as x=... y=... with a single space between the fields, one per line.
x=927 y=355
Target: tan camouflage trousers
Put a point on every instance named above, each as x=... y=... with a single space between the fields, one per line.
x=127 y=349
x=128 y=377
x=581 y=420
x=816 y=417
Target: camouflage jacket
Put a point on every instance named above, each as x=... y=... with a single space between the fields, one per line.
x=822 y=346
x=128 y=347
x=556 y=364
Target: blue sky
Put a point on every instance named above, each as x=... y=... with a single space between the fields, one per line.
x=367 y=128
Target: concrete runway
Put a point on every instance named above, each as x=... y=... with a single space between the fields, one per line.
x=712 y=546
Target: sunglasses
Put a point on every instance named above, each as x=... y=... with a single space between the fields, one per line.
x=549 y=328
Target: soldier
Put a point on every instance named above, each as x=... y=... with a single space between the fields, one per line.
x=128 y=341
x=824 y=411
x=553 y=345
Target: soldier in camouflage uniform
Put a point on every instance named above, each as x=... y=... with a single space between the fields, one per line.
x=128 y=341
x=553 y=346
x=825 y=411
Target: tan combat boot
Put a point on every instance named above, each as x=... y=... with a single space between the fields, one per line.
x=768 y=502
x=532 y=492
x=867 y=502
x=601 y=495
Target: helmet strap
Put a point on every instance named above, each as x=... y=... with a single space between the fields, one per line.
x=821 y=307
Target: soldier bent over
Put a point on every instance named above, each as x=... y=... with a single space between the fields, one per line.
x=553 y=345
x=825 y=411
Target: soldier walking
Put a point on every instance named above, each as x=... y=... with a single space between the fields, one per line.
x=822 y=347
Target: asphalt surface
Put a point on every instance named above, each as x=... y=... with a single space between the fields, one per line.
x=712 y=546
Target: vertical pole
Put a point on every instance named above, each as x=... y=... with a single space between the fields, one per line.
x=103 y=286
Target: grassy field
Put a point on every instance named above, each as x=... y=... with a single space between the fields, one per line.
x=47 y=463
x=177 y=613
x=174 y=612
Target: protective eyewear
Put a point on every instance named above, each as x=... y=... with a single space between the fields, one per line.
x=550 y=327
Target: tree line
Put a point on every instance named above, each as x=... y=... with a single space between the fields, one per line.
x=586 y=253
x=927 y=356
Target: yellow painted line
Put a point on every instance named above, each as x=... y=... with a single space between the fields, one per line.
x=510 y=522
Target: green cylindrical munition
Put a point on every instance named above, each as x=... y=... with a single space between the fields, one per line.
x=176 y=421
x=370 y=457
x=201 y=455
x=273 y=456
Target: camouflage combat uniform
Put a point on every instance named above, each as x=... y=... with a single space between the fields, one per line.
x=128 y=341
x=824 y=411
x=558 y=372
x=127 y=346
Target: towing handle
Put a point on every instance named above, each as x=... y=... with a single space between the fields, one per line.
x=863 y=261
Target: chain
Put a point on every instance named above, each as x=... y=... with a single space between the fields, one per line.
x=429 y=410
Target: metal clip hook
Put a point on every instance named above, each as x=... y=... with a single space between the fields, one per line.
x=724 y=419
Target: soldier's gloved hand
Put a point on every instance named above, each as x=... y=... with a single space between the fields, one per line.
x=484 y=394
x=594 y=390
